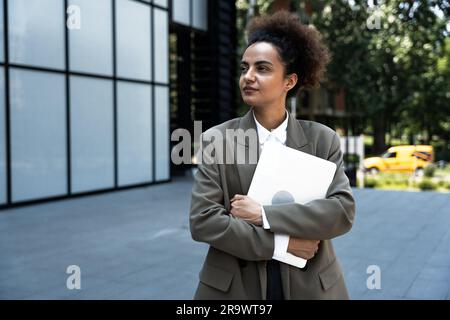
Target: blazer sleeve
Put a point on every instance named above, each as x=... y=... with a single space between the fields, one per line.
x=211 y=223
x=319 y=219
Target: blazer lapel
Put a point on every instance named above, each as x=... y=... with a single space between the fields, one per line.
x=247 y=169
x=296 y=137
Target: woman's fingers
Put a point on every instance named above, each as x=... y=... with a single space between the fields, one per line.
x=237 y=197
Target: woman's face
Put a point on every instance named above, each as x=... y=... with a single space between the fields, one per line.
x=262 y=81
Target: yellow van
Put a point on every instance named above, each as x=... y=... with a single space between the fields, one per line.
x=401 y=159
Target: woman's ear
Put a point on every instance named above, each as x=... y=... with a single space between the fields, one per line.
x=292 y=81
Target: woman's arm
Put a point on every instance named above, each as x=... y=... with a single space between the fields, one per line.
x=318 y=219
x=211 y=223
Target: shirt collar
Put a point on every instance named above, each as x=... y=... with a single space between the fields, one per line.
x=279 y=132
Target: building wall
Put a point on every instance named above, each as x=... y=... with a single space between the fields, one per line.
x=84 y=97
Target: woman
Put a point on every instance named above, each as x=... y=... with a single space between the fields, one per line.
x=282 y=56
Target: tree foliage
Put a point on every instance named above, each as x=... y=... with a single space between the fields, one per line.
x=392 y=59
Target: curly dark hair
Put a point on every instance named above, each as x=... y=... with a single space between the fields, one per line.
x=300 y=47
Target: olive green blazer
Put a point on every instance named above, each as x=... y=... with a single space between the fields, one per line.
x=238 y=251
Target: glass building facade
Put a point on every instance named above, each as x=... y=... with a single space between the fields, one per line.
x=84 y=94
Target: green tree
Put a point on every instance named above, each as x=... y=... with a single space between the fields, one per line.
x=390 y=69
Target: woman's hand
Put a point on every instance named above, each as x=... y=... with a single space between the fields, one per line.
x=303 y=248
x=245 y=208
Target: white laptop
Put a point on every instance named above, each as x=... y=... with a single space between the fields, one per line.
x=285 y=175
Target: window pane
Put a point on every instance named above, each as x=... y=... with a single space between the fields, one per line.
x=38 y=135
x=181 y=11
x=3 y=185
x=199 y=14
x=162 y=140
x=133 y=40
x=36 y=32
x=91 y=45
x=162 y=3
x=134 y=133
x=161 y=46
x=2 y=54
x=92 y=145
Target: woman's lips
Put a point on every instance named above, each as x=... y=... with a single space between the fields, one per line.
x=249 y=91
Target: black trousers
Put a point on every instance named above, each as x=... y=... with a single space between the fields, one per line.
x=274 y=285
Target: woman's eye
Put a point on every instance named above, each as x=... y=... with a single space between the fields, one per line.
x=263 y=69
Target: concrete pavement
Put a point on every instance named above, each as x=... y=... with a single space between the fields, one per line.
x=135 y=244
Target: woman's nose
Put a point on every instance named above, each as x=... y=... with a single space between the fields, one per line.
x=249 y=76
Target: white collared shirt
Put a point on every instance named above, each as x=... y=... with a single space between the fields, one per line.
x=277 y=135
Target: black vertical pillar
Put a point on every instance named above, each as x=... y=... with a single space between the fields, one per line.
x=204 y=86
x=7 y=106
x=184 y=78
